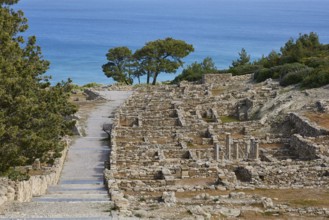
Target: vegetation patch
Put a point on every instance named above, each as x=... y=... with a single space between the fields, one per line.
x=208 y=119
x=228 y=119
x=34 y=114
x=296 y=197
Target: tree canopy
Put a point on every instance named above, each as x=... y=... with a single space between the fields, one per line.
x=156 y=57
x=33 y=114
x=120 y=65
x=304 y=61
x=195 y=71
x=244 y=59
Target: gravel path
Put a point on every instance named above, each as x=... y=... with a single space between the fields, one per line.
x=80 y=193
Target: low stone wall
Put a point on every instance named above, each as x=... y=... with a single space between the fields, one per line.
x=305 y=127
x=216 y=78
x=303 y=149
x=23 y=191
x=92 y=94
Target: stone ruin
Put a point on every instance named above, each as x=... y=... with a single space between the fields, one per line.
x=173 y=141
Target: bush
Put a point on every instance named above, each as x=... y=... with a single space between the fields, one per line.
x=244 y=69
x=262 y=74
x=279 y=72
x=295 y=77
x=316 y=62
x=15 y=175
x=316 y=79
x=195 y=71
x=92 y=85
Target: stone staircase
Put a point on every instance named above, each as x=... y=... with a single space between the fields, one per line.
x=80 y=193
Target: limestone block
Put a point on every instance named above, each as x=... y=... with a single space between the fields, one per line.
x=185 y=174
x=267 y=203
x=169 y=198
x=229 y=212
x=3 y=200
x=198 y=211
x=24 y=191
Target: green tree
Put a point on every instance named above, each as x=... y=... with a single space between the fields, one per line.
x=33 y=114
x=244 y=59
x=195 y=71
x=120 y=65
x=306 y=45
x=273 y=59
x=162 y=56
x=144 y=66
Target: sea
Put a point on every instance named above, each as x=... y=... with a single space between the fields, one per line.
x=75 y=35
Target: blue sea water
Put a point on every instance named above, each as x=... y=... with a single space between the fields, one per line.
x=75 y=35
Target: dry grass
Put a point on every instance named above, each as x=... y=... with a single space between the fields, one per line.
x=196 y=181
x=196 y=140
x=320 y=119
x=218 y=91
x=191 y=194
x=120 y=139
x=271 y=146
x=32 y=172
x=198 y=146
x=296 y=197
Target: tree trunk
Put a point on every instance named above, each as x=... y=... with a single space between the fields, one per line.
x=148 y=78
x=155 y=78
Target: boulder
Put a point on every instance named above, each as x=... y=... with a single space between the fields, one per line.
x=169 y=198
x=267 y=203
x=229 y=212
x=199 y=211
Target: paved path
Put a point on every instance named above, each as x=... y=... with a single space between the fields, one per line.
x=80 y=193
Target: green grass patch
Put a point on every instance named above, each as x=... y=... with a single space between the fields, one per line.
x=228 y=119
x=208 y=119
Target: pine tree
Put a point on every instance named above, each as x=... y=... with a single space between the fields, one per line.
x=33 y=114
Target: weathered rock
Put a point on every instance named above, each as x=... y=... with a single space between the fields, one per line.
x=267 y=203
x=229 y=212
x=169 y=198
x=198 y=211
x=140 y=214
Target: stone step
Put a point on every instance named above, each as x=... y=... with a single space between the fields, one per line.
x=78 y=186
x=62 y=190
x=68 y=218
x=71 y=200
x=97 y=181
x=104 y=149
x=70 y=195
x=80 y=194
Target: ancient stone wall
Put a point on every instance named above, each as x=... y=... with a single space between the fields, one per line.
x=23 y=191
x=216 y=78
x=303 y=149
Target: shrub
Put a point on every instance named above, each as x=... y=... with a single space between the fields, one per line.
x=244 y=69
x=316 y=79
x=279 y=72
x=17 y=175
x=295 y=77
x=262 y=75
